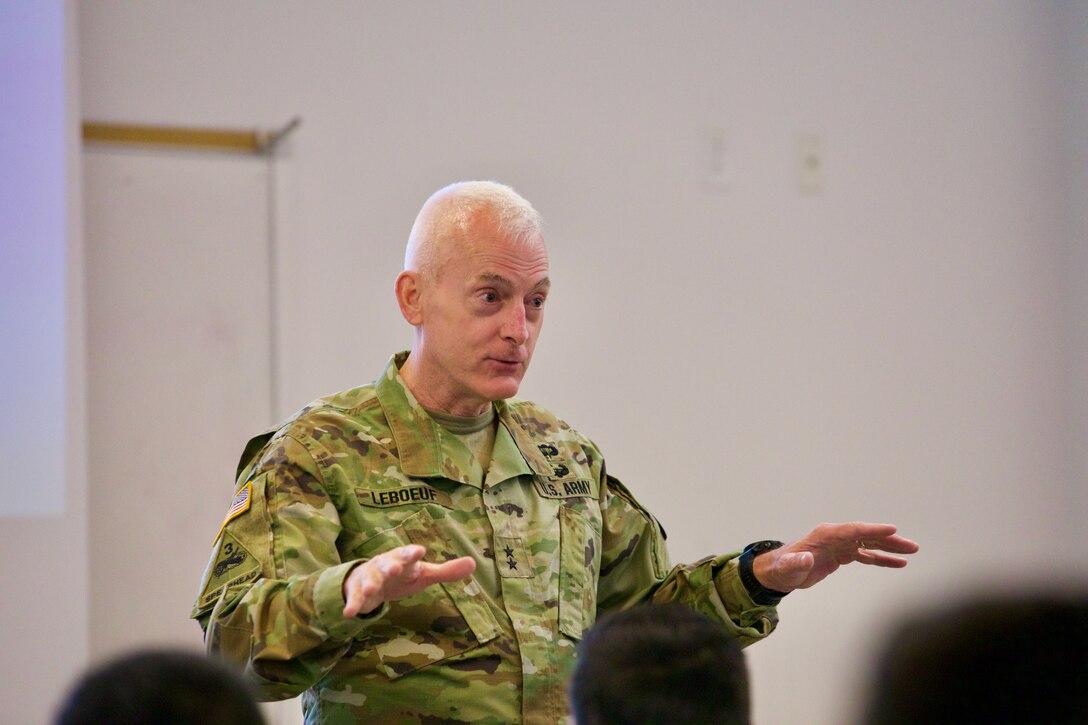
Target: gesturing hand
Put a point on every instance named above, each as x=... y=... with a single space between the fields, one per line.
x=819 y=553
x=397 y=574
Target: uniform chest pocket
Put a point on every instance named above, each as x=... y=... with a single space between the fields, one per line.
x=435 y=624
x=579 y=567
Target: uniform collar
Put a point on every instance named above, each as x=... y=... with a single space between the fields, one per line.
x=522 y=440
x=427 y=450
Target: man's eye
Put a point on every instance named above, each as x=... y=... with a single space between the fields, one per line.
x=489 y=296
x=537 y=302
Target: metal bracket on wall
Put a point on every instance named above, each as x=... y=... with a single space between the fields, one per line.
x=256 y=141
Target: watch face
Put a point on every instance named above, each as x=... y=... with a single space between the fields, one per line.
x=761 y=547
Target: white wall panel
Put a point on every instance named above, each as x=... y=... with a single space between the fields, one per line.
x=178 y=324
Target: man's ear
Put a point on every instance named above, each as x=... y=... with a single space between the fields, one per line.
x=409 y=291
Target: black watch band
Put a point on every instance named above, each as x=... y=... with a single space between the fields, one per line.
x=759 y=593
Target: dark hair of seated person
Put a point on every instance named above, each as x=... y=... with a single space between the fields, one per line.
x=658 y=664
x=1000 y=658
x=160 y=687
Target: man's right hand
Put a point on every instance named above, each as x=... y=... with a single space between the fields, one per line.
x=397 y=574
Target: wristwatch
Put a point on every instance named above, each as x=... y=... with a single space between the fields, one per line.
x=759 y=593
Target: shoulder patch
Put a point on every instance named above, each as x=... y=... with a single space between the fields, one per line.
x=238 y=506
x=234 y=564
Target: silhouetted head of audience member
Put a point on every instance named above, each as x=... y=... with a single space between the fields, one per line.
x=990 y=659
x=160 y=687
x=659 y=664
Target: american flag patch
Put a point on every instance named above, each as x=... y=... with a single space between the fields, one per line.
x=238 y=506
x=240 y=503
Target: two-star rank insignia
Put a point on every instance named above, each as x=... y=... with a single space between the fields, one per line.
x=514 y=560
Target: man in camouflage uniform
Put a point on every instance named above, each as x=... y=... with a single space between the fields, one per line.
x=429 y=548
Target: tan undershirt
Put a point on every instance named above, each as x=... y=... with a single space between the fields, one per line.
x=477 y=433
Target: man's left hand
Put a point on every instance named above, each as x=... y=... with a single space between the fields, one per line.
x=813 y=557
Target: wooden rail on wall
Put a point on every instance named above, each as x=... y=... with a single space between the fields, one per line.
x=254 y=142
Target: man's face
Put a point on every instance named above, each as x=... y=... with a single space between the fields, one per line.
x=481 y=318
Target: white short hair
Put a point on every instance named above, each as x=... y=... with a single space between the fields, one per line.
x=450 y=213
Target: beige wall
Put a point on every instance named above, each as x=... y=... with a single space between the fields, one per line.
x=905 y=345
x=178 y=331
x=1073 y=18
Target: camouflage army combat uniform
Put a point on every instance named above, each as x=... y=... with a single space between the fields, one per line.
x=556 y=541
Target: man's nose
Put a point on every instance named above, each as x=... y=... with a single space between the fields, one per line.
x=514 y=327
